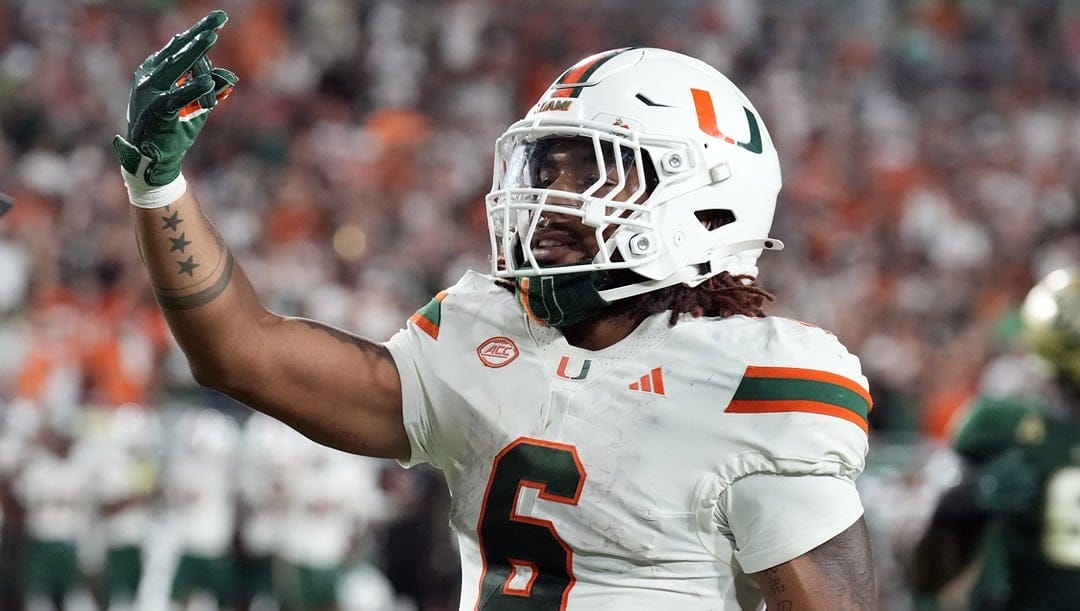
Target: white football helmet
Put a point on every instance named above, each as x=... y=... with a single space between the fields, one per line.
x=685 y=130
x=1051 y=321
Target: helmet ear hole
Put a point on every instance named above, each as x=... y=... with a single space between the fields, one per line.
x=715 y=218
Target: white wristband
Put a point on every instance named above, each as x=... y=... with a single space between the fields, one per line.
x=143 y=196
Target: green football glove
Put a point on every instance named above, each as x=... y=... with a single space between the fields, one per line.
x=171 y=96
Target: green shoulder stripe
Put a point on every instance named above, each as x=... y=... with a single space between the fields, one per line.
x=790 y=389
x=429 y=317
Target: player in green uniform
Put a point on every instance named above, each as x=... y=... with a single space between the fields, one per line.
x=1017 y=508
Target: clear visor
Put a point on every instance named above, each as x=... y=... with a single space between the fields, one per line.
x=574 y=165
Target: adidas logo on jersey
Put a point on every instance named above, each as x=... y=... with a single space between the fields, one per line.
x=652 y=382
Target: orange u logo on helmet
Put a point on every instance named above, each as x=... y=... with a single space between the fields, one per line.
x=706 y=115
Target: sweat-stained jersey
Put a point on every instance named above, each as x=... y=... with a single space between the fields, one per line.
x=653 y=474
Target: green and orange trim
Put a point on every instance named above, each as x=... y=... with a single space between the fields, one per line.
x=429 y=316
x=770 y=390
x=579 y=74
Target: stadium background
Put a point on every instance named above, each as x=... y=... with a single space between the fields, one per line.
x=931 y=160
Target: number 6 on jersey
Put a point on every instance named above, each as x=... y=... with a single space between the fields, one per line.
x=525 y=563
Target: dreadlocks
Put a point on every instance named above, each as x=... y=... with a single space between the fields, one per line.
x=721 y=296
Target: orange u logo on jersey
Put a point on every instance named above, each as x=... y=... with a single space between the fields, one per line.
x=565 y=362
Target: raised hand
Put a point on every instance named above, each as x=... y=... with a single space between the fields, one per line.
x=172 y=93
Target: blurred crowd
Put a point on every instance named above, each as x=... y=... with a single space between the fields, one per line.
x=121 y=507
x=930 y=152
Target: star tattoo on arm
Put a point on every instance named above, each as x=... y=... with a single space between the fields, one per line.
x=187 y=267
x=172 y=222
x=179 y=243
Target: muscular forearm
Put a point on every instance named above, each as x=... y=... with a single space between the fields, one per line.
x=289 y=368
x=210 y=306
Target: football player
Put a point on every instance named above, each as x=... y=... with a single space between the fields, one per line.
x=619 y=423
x=126 y=493
x=1017 y=507
x=267 y=449
x=55 y=486
x=200 y=497
x=334 y=503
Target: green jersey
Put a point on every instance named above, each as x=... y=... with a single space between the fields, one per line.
x=1027 y=463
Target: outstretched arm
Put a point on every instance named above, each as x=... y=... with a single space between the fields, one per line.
x=838 y=575
x=334 y=387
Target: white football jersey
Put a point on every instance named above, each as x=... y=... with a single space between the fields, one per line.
x=201 y=498
x=125 y=479
x=653 y=474
x=329 y=500
x=56 y=491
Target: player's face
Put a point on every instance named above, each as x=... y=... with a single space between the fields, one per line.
x=570 y=165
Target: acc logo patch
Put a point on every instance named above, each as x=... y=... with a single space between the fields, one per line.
x=497 y=352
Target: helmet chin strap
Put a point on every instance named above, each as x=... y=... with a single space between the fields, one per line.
x=690 y=275
x=563 y=300
x=687 y=274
